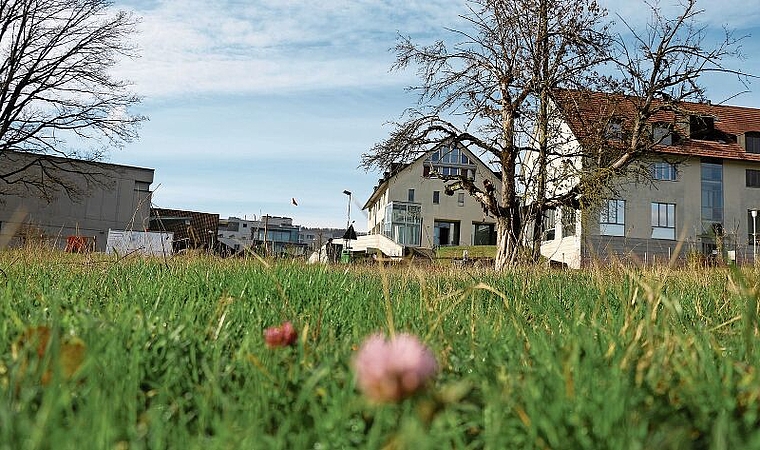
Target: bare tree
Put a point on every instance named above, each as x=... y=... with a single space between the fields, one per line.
x=659 y=70
x=55 y=89
x=523 y=73
x=516 y=50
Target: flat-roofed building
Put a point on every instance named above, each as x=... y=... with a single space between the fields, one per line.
x=103 y=196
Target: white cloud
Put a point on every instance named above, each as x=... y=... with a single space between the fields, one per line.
x=262 y=46
x=226 y=46
x=736 y=14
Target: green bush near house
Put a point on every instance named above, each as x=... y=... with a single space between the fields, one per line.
x=529 y=358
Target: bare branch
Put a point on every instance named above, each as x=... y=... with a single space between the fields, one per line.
x=54 y=81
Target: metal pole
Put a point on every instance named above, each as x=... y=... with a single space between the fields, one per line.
x=754 y=236
x=348 y=219
x=266 y=226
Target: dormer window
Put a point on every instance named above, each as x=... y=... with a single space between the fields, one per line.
x=752 y=142
x=662 y=134
x=700 y=127
x=615 y=130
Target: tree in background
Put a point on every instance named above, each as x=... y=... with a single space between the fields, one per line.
x=516 y=51
x=530 y=66
x=658 y=70
x=55 y=89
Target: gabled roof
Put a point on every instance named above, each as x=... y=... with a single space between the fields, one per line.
x=382 y=183
x=585 y=112
x=396 y=168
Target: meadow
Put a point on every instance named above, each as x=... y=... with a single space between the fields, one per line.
x=154 y=354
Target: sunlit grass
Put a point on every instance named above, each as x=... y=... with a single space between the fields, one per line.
x=530 y=358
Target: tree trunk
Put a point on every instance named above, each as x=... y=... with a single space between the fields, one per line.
x=537 y=213
x=505 y=245
x=508 y=220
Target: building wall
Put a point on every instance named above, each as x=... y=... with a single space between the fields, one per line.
x=448 y=209
x=564 y=249
x=281 y=235
x=119 y=199
x=690 y=235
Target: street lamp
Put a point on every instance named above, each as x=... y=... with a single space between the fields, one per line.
x=346 y=254
x=754 y=236
x=348 y=221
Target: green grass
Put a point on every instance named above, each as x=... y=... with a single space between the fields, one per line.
x=529 y=358
x=475 y=251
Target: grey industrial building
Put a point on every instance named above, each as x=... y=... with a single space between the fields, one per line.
x=107 y=196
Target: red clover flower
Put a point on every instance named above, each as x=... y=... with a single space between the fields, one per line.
x=282 y=336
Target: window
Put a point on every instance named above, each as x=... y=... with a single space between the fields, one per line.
x=615 y=130
x=448 y=171
x=445 y=233
x=663 y=221
x=753 y=178
x=662 y=134
x=700 y=127
x=142 y=186
x=548 y=226
x=612 y=218
x=245 y=225
x=410 y=195
x=568 y=221
x=753 y=226
x=450 y=155
x=436 y=197
x=752 y=142
x=712 y=194
x=664 y=171
x=460 y=199
x=483 y=234
x=449 y=162
x=403 y=223
x=233 y=226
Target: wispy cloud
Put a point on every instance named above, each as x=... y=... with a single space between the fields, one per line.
x=266 y=45
x=197 y=46
x=735 y=14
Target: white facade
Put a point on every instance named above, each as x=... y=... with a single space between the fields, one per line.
x=410 y=205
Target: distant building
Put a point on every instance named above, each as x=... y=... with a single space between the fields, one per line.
x=192 y=229
x=111 y=196
x=314 y=238
x=272 y=235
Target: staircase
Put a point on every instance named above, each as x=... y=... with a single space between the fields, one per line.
x=388 y=247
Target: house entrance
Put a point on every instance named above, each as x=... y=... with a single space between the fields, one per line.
x=446 y=233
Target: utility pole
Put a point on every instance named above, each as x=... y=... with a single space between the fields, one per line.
x=266 y=225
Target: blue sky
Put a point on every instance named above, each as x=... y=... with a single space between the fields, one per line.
x=254 y=102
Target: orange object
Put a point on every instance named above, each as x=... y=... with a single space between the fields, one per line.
x=35 y=342
x=79 y=244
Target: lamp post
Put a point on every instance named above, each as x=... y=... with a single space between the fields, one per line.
x=754 y=236
x=348 y=220
x=348 y=226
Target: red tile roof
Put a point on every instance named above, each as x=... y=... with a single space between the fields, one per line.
x=587 y=112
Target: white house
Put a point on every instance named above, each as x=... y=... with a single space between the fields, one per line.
x=409 y=204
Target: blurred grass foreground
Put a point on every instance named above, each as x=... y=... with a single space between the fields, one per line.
x=147 y=354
